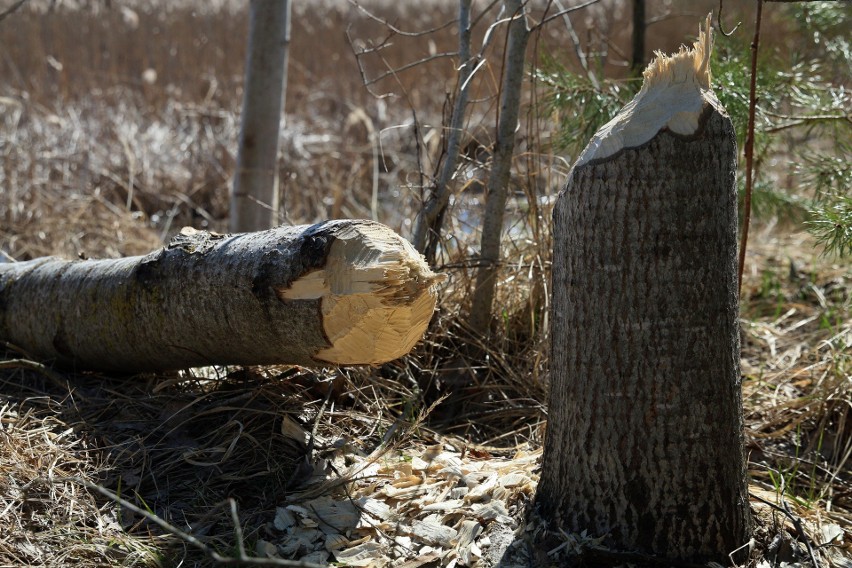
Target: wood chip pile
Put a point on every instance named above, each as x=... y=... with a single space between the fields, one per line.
x=432 y=506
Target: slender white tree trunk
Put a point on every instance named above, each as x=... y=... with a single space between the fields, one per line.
x=427 y=226
x=644 y=443
x=498 y=181
x=339 y=292
x=255 y=192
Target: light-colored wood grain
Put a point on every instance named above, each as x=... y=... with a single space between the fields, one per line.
x=675 y=90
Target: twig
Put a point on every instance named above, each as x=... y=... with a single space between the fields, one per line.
x=719 y=23
x=312 y=442
x=484 y=11
x=359 y=53
x=561 y=13
x=407 y=66
x=395 y=29
x=575 y=41
x=242 y=559
x=749 y=146
x=54 y=377
x=8 y=12
x=797 y=121
x=797 y=523
x=363 y=72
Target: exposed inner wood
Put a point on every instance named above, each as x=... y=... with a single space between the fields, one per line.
x=375 y=296
x=674 y=92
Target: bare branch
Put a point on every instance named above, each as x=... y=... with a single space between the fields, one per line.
x=395 y=29
x=367 y=81
x=575 y=41
x=802 y=120
x=484 y=11
x=749 y=145
x=54 y=377
x=561 y=13
x=361 y=71
x=395 y=71
x=427 y=225
x=719 y=23
x=797 y=522
x=11 y=9
x=242 y=559
x=486 y=39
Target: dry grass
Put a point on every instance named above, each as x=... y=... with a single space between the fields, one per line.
x=798 y=388
x=94 y=159
x=47 y=518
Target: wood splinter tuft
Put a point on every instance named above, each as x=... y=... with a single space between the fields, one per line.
x=675 y=91
x=376 y=296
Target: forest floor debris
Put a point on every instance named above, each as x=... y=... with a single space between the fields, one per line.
x=400 y=474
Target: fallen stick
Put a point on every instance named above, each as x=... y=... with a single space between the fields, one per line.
x=339 y=292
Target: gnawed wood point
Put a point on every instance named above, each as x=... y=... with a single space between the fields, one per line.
x=675 y=90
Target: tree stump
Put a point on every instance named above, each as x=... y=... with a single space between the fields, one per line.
x=337 y=293
x=644 y=443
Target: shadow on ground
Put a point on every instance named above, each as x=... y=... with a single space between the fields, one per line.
x=175 y=445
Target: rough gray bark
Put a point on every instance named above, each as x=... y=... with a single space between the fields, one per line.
x=427 y=226
x=255 y=194
x=498 y=180
x=340 y=292
x=644 y=440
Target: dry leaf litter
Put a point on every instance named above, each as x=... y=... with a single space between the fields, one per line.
x=432 y=505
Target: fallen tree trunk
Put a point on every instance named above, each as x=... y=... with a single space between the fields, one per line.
x=339 y=292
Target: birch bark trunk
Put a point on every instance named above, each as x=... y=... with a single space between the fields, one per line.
x=427 y=225
x=644 y=443
x=255 y=195
x=497 y=190
x=340 y=292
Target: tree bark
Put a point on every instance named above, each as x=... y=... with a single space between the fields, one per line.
x=498 y=180
x=427 y=225
x=339 y=292
x=255 y=193
x=644 y=443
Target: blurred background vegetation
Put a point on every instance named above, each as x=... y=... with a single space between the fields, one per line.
x=119 y=122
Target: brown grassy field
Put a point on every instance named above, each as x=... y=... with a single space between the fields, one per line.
x=118 y=126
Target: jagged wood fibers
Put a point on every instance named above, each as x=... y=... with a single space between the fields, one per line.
x=339 y=292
